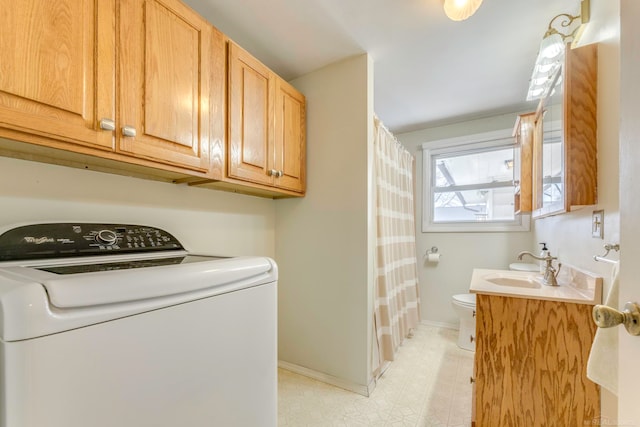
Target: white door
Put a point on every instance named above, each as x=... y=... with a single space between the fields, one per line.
x=629 y=372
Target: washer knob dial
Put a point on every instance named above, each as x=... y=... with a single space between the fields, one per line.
x=106 y=237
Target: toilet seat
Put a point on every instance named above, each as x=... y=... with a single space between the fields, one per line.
x=465 y=300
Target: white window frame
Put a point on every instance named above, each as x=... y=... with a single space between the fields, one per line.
x=500 y=138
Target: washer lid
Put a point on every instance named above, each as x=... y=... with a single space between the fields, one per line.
x=36 y=303
x=465 y=299
x=149 y=283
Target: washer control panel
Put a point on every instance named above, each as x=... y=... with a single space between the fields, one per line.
x=56 y=240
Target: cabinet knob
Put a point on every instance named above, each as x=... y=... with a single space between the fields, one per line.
x=279 y=174
x=471 y=338
x=607 y=317
x=128 y=131
x=107 y=124
x=472 y=380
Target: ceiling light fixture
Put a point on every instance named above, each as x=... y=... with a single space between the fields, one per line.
x=459 y=10
x=561 y=30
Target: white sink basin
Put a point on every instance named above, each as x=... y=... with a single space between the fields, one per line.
x=575 y=285
x=514 y=281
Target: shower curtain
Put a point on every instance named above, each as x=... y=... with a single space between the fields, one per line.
x=396 y=297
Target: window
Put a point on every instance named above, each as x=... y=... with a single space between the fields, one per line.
x=468 y=184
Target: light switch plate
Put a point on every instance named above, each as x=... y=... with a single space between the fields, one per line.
x=597 y=224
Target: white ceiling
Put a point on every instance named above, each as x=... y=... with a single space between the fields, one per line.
x=428 y=70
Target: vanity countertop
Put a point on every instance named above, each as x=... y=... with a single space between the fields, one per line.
x=575 y=285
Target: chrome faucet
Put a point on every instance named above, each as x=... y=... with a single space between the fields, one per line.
x=550 y=273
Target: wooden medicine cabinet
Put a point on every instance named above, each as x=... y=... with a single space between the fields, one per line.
x=523 y=162
x=564 y=173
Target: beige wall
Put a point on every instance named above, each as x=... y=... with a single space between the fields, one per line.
x=205 y=221
x=461 y=252
x=323 y=243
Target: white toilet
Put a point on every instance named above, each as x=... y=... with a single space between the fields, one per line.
x=465 y=307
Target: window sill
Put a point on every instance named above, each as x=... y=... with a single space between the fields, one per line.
x=479 y=227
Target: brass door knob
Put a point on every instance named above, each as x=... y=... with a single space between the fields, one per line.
x=607 y=317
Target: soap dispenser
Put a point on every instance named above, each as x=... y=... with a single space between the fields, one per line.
x=543 y=254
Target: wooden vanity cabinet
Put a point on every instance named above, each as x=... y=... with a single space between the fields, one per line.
x=266 y=126
x=530 y=363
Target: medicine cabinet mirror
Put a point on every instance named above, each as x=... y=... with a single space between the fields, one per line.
x=565 y=137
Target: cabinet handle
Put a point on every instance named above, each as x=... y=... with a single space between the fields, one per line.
x=107 y=124
x=471 y=338
x=606 y=317
x=472 y=380
x=128 y=131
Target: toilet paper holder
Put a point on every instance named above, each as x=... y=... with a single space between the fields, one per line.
x=433 y=250
x=432 y=255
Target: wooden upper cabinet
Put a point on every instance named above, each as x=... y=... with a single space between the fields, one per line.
x=267 y=135
x=163 y=80
x=251 y=103
x=565 y=163
x=56 y=70
x=290 y=139
x=149 y=83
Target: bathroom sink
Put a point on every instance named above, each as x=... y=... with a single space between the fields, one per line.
x=574 y=285
x=518 y=281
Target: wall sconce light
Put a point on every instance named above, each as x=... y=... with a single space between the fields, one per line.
x=459 y=10
x=551 y=53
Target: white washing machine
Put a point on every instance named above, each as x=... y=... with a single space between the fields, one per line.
x=105 y=325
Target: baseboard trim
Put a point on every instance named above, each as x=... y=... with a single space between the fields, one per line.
x=364 y=390
x=440 y=324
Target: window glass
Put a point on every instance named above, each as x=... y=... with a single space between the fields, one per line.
x=469 y=185
x=473 y=186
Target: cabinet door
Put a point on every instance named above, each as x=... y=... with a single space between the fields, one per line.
x=523 y=162
x=290 y=141
x=250 y=153
x=163 y=82
x=56 y=69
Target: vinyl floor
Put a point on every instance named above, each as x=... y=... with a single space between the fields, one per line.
x=427 y=386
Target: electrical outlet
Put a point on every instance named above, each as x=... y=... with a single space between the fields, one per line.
x=597 y=224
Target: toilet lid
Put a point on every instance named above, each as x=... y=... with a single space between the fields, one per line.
x=523 y=266
x=465 y=299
